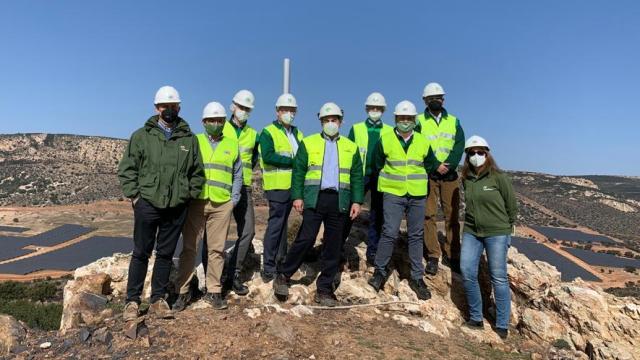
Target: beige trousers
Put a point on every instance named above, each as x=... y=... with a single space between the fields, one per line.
x=448 y=192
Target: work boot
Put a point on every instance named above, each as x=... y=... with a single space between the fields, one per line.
x=160 y=309
x=281 y=286
x=432 y=266
x=503 y=333
x=215 y=300
x=130 y=312
x=420 y=288
x=475 y=325
x=325 y=299
x=238 y=287
x=267 y=276
x=377 y=280
x=181 y=302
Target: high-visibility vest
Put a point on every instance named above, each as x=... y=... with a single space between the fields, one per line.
x=218 y=168
x=246 y=143
x=273 y=177
x=361 y=134
x=441 y=136
x=403 y=172
x=315 y=145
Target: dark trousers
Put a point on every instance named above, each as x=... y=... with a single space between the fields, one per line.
x=327 y=212
x=275 y=236
x=243 y=214
x=376 y=218
x=159 y=228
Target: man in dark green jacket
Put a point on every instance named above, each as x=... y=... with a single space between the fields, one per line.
x=160 y=171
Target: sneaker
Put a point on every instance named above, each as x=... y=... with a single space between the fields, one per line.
x=238 y=287
x=161 y=310
x=130 y=312
x=216 y=300
x=181 y=302
x=267 y=276
x=420 y=288
x=432 y=266
x=325 y=299
x=377 y=280
x=503 y=333
x=281 y=286
x=475 y=325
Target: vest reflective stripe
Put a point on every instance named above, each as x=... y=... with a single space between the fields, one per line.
x=275 y=178
x=314 y=145
x=361 y=135
x=441 y=136
x=404 y=172
x=218 y=168
x=246 y=144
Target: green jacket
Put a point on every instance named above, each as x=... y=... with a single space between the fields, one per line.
x=454 y=156
x=373 y=129
x=490 y=204
x=267 y=149
x=166 y=173
x=310 y=193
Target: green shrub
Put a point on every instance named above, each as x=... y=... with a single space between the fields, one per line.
x=34 y=291
x=36 y=315
x=561 y=344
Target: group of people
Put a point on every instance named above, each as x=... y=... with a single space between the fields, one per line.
x=181 y=183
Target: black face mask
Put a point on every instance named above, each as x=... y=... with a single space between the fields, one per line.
x=169 y=115
x=435 y=105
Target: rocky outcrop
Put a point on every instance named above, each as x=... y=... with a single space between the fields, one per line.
x=12 y=334
x=85 y=302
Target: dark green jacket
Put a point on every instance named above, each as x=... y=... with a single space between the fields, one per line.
x=166 y=173
x=454 y=156
x=309 y=194
x=490 y=204
x=267 y=150
x=373 y=131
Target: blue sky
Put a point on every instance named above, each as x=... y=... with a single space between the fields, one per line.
x=552 y=85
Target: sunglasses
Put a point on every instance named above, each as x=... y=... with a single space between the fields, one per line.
x=477 y=152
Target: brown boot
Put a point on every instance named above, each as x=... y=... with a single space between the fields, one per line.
x=160 y=309
x=130 y=312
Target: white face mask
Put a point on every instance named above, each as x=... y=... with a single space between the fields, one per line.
x=241 y=115
x=330 y=128
x=477 y=160
x=287 y=118
x=375 y=115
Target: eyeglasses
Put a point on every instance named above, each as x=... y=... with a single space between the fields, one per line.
x=477 y=152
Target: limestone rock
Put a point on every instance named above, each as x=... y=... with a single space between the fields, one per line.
x=84 y=302
x=12 y=333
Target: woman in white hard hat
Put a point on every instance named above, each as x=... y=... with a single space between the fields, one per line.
x=490 y=214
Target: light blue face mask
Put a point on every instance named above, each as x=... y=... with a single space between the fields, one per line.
x=406 y=126
x=287 y=117
x=330 y=128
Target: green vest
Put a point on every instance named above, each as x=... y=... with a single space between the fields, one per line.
x=218 y=168
x=442 y=137
x=361 y=135
x=403 y=172
x=275 y=178
x=246 y=144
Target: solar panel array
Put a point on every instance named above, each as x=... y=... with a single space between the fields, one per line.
x=11 y=247
x=59 y=235
x=536 y=251
x=571 y=235
x=600 y=259
x=70 y=257
x=15 y=229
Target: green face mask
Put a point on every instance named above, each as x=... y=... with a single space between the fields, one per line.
x=406 y=126
x=213 y=129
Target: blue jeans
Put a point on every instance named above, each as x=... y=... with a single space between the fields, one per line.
x=496 y=247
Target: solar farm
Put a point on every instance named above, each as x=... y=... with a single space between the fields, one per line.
x=571 y=235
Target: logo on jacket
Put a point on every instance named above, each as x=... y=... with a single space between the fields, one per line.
x=183 y=148
x=488 y=188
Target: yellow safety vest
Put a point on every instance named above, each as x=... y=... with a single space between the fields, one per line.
x=218 y=168
x=246 y=144
x=361 y=134
x=403 y=172
x=273 y=177
x=441 y=136
x=315 y=145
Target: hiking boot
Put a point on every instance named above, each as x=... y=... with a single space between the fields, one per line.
x=267 y=276
x=325 y=299
x=377 y=280
x=160 y=309
x=281 y=286
x=432 y=266
x=238 y=287
x=130 y=312
x=503 y=333
x=216 y=300
x=475 y=325
x=181 y=302
x=420 y=288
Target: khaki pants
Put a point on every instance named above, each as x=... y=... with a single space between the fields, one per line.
x=216 y=218
x=449 y=194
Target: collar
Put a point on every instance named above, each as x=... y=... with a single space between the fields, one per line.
x=327 y=138
x=402 y=137
x=427 y=114
x=235 y=126
x=371 y=123
x=162 y=125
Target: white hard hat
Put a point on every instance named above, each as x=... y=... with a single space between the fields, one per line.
x=214 y=110
x=167 y=95
x=376 y=99
x=432 y=89
x=286 y=100
x=329 y=109
x=405 y=107
x=244 y=98
x=476 y=141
